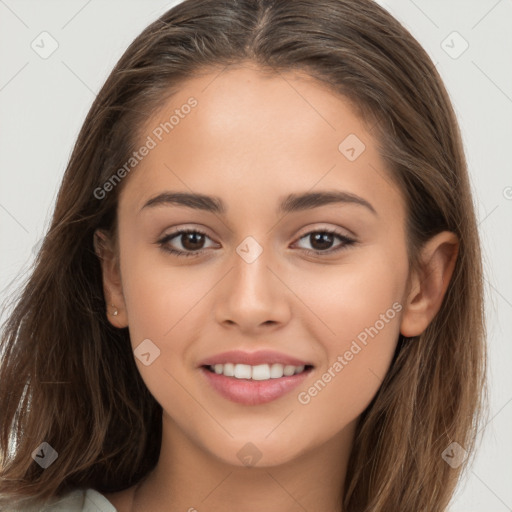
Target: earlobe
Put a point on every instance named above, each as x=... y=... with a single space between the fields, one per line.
x=112 y=285
x=428 y=285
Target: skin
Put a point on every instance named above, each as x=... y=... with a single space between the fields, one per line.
x=251 y=140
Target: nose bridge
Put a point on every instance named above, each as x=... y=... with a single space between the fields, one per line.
x=252 y=293
x=252 y=278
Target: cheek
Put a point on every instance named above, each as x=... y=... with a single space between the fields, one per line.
x=163 y=305
x=362 y=310
x=343 y=390
x=349 y=297
x=161 y=298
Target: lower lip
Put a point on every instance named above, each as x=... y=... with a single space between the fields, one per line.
x=253 y=392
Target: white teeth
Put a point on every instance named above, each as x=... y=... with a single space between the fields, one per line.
x=242 y=371
x=289 y=370
x=258 y=372
x=276 y=371
x=229 y=369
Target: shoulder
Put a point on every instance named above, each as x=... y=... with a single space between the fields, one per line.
x=79 y=500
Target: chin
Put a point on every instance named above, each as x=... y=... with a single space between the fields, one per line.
x=258 y=451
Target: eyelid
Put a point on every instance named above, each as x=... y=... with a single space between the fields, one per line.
x=174 y=231
x=338 y=230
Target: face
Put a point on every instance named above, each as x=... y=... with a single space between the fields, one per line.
x=317 y=283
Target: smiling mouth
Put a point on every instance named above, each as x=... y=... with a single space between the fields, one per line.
x=260 y=372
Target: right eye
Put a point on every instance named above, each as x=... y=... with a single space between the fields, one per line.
x=190 y=240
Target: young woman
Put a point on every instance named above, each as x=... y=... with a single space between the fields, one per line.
x=262 y=284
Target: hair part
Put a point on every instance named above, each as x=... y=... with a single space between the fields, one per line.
x=68 y=377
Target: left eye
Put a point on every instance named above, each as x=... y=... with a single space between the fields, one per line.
x=325 y=238
x=192 y=241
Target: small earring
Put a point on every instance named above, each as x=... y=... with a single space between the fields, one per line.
x=115 y=310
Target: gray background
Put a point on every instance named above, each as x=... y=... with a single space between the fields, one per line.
x=43 y=102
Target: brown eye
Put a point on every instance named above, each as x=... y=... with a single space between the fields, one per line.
x=321 y=241
x=191 y=241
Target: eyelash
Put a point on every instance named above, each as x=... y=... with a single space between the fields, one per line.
x=347 y=242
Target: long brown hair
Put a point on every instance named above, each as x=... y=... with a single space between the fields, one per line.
x=68 y=378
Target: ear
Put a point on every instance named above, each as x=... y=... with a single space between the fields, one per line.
x=428 y=285
x=112 y=286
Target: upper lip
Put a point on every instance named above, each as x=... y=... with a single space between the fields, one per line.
x=253 y=358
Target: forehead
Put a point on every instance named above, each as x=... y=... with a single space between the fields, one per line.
x=246 y=104
x=252 y=130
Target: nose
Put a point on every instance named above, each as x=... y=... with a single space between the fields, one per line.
x=253 y=296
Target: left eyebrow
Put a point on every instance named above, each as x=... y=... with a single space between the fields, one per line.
x=309 y=200
x=288 y=204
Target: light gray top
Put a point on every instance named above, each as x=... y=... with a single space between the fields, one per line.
x=79 y=500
